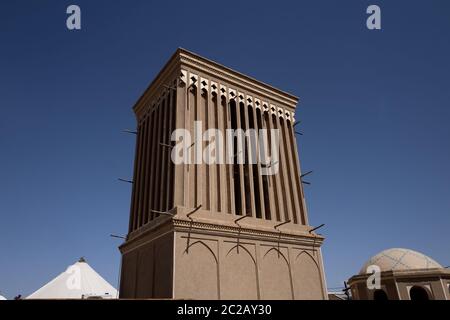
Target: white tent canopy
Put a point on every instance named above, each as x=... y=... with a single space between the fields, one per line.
x=79 y=281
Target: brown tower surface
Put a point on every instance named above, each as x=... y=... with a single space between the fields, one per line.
x=216 y=231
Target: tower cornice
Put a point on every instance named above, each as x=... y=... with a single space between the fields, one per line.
x=183 y=58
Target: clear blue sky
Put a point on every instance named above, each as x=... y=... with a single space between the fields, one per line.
x=375 y=108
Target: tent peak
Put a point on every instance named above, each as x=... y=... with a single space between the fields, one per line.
x=82 y=259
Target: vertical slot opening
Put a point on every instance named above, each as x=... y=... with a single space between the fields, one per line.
x=265 y=179
x=236 y=176
x=247 y=191
x=255 y=171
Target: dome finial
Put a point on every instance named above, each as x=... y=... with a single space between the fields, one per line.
x=82 y=259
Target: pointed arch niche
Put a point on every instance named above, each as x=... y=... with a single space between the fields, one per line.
x=276 y=282
x=239 y=274
x=200 y=264
x=306 y=277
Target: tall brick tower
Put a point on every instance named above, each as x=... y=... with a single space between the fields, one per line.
x=222 y=230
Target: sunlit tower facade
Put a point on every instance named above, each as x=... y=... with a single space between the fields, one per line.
x=222 y=230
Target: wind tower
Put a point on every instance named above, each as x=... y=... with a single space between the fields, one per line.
x=222 y=230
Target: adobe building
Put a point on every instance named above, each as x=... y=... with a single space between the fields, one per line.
x=217 y=231
x=405 y=275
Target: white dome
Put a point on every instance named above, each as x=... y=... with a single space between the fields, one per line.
x=400 y=259
x=3 y=298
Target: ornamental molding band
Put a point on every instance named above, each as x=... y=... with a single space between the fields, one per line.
x=235 y=78
x=183 y=61
x=233 y=94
